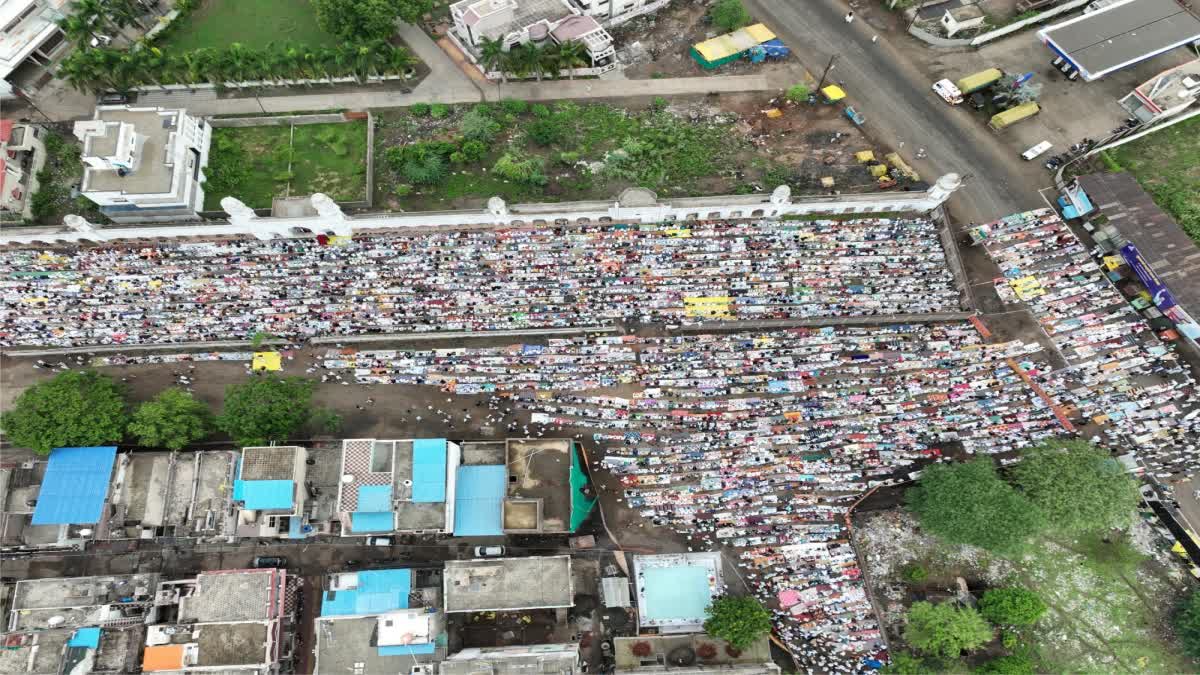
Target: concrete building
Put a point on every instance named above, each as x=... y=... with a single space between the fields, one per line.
x=1166 y=94
x=515 y=22
x=270 y=493
x=71 y=505
x=77 y=625
x=380 y=621
x=558 y=659
x=30 y=42
x=673 y=590
x=547 y=489
x=1120 y=35
x=616 y=12
x=397 y=486
x=144 y=164
x=508 y=584
x=692 y=654
x=22 y=156
x=227 y=621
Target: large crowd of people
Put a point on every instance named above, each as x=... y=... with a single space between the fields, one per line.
x=597 y=275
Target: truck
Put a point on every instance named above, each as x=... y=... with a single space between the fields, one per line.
x=981 y=80
x=1001 y=121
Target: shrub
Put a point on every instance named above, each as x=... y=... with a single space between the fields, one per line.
x=1187 y=624
x=1011 y=606
x=569 y=158
x=915 y=574
x=402 y=190
x=798 y=93
x=945 y=630
x=547 y=131
x=478 y=125
x=540 y=110
x=1013 y=664
x=419 y=109
x=473 y=151
x=514 y=106
x=420 y=163
x=659 y=104
x=729 y=15
x=528 y=170
x=439 y=110
x=457 y=157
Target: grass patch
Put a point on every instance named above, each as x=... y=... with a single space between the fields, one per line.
x=1167 y=164
x=254 y=23
x=252 y=163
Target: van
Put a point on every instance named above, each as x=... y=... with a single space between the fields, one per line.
x=489 y=551
x=1036 y=150
x=949 y=93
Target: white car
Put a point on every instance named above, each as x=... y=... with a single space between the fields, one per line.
x=949 y=93
x=489 y=551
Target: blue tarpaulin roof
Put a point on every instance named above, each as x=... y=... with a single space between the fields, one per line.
x=478 y=497
x=85 y=637
x=405 y=650
x=372 y=521
x=264 y=494
x=75 y=486
x=429 y=470
x=374 y=497
x=378 y=591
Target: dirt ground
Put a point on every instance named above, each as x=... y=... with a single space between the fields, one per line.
x=659 y=45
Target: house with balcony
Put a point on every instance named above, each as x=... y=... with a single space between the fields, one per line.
x=616 y=12
x=30 y=42
x=540 y=22
x=269 y=493
x=1164 y=95
x=144 y=164
x=22 y=155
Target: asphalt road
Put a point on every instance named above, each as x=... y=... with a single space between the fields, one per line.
x=900 y=108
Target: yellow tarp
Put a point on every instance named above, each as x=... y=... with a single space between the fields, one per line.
x=708 y=307
x=1027 y=288
x=878 y=170
x=678 y=232
x=266 y=361
x=864 y=156
x=736 y=42
x=834 y=92
x=895 y=160
x=1112 y=262
x=339 y=240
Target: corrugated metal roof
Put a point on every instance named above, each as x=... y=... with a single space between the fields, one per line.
x=266 y=494
x=615 y=591
x=1121 y=34
x=374 y=498
x=478 y=500
x=429 y=470
x=372 y=521
x=734 y=43
x=75 y=486
x=378 y=591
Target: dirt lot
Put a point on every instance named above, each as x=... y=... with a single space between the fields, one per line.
x=664 y=41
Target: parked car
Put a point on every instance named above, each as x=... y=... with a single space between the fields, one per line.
x=1032 y=153
x=268 y=561
x=113 y=98
x=489 y=551
x=977 y=100
x=379 y=541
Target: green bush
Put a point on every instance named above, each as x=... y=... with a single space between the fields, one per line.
x=798 y=93
x=945 y=630
x=1011 y=606
x=547 y=131
x=514 y=106
x=659 y=104
x=420 y=163
x=473 y=151
x=1187 y=624
x=1012 y=664
x=419 y=109
x=478 y=125
x=527 y=170
x=729 y=15
x=439 y=110
x=402 y=190
x=457 y=157
x=568 y=158
x=915 y=574
x=540 y=111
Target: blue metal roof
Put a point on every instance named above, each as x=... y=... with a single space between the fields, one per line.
x=85 y=637
x=378 y=591
x=478 y=498
x=75 y=486
x=429 y=470
x=406 y=650
x=265 y=494
x=372 y=521
x=374 y=497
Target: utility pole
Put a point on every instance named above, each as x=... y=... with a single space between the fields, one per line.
x=828 y=67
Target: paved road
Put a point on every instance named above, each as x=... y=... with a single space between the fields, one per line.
x=900 y=108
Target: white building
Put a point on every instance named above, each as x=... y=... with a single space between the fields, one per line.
x=1166 y=94
x=30 y=40
x=22 y=155
x=616 y=12
x=515 y=22
x=144 y=164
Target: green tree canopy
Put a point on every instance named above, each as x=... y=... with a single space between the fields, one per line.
x=945 y=630
x=737 y=620
x=904 y=663
x=266 y=408
x=358 y=20
x=729 y=15
x=412 y=11
x=1187 y=625
x=968 y=503
x=76 y=408
x=171 y=420
x=1077 y=485
x=1013 y=664
x=1011 y=606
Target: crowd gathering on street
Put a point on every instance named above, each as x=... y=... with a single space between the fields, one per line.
x=596 y=275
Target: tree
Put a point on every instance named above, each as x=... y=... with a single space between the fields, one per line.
x=740 y=621
x=171 y=420
x=968 y=504
x=492 y=53
x=904 y=663
x=266 y=408
x=1013 y=664
x=76 y=408
x=1078 y=486
x=573 y=54
x=945 y=630
x=1187 y=624
x=412 y=11
x=729 y=15
x=1011 y=606
x=358 y=20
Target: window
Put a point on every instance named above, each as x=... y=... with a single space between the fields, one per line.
x=20 y=17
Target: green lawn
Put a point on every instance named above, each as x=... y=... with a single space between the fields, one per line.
x=252 y=163
x=1167 y=164
x=254 y=23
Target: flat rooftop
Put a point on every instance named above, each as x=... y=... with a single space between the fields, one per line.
x=1169 y=251
x=270 y=463
x=152 y=175
x=508 y=583
x=542 y=469
x=350 y=645
x=1169 y=89
x=559 y=659
x=78 y=601
x=673 y=590
x=231 y=644
x=1122 y=34
x=242 y=595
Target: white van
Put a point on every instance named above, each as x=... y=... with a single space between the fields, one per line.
x=948 y=91
x=1036 y=150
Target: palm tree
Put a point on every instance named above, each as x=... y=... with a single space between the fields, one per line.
x=237 y=63
x=125 y=13
x=526 y=60
x=94 y=15
x=78 y=30
x=573 y=54
x=78 y=71
x=491 y=53
x=398 y=60
x=549 y=60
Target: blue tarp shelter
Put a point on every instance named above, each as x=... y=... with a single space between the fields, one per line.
x=378 y=592
x=88 y=638
x=75 y=486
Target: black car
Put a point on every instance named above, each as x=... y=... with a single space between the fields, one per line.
x=977 y=100
x=268 y=561
x=114 y=98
